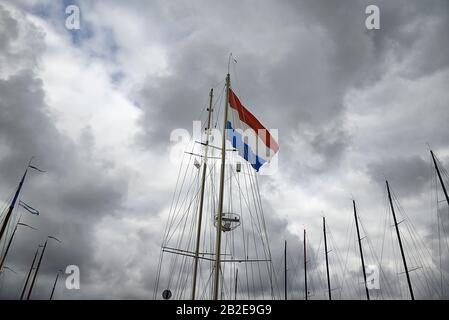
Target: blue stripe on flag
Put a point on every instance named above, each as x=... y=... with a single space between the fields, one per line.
x=243 y=149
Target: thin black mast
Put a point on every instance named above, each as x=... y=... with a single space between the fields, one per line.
x=7 y=247
x=16 y=197
x=400 y=243
x=236 y=283
x=54 y=285
x=285 y=270
x=12 y=205
x=39 y=264
x=439 y=176
x=306 y=295
x=37 y=269
x=361 y=250
x=10 y=242
x=327 y=260
x=29 y=274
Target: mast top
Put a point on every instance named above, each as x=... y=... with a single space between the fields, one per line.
x=229 y=62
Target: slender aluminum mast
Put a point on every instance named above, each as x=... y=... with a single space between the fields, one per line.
x=29 y=274
x=200 y=213
x=400 y=243
x=10 y=242
x=306 y=295
x=221 y=196
x=39 y=265
x=16 y=197
x=236 y=284
x=12 y=205
x=327 y=260
x=285 y=270
x=37 y=270
x=439 y=176
x=360 y=249
x=54 y=284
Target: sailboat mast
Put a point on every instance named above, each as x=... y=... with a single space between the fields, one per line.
x=400 y=243
x=360 y=249
x=12 y=205
x=29 y=274
x=236 y=284
x=285 y=270
x=221 y=195
x=327 y=260
x=439 y=176
x=203 y=183
x=7 y=247
x=37 y=270
x=306 y=295
x=54 y=285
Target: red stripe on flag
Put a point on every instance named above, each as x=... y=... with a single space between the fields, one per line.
x=252 y=122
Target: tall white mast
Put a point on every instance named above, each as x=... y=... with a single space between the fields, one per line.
x=221 y=196
x=200 y=213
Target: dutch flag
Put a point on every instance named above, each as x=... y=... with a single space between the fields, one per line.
x=248 y=136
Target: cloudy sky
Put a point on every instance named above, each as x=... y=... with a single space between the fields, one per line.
x=96 y=107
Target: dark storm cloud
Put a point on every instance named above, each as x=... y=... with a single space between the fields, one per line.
x=419 y=28
x=320 y=51
x=331 y=144
x=171 y=99
x=407 y=175
x=14 y=54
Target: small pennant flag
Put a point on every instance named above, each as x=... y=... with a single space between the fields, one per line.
x=35 y=168
x=28 y=208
